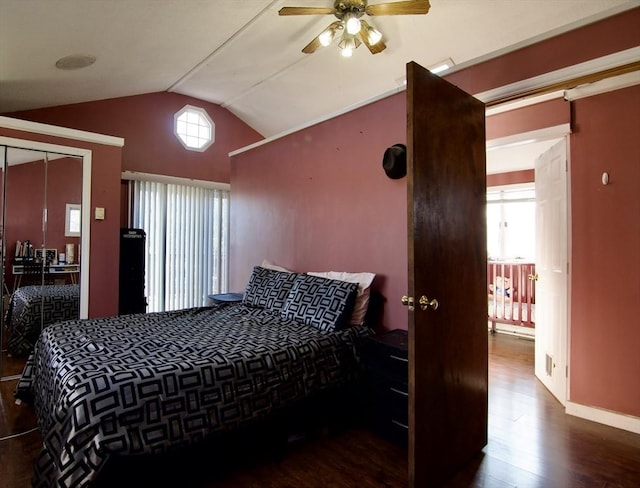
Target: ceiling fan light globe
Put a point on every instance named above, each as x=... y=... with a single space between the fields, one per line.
x=346 y=52
x=353 y=25
x=326 y=37
x=374 y=36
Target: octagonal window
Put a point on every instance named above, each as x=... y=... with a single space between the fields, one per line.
x=194 y=128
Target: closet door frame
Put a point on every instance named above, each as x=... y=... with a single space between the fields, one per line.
x=85 y=237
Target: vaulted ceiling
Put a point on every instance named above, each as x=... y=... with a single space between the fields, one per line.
x=243 y=56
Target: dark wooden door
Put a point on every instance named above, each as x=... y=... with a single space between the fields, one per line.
x=448 y=358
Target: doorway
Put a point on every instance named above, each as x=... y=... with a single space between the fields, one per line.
x=519 y=160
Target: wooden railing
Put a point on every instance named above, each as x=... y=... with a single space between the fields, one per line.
x=511 y=293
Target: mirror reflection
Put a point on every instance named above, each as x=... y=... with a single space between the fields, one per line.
x=41 y=198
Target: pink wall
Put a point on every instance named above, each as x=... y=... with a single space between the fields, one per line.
x=24 y=203
x=292 y=200
x=64 y=185
x=605 y=282
x=511 y=178
x=105 y=192
x=319 y=200
x=525 y=119
x=146 y=124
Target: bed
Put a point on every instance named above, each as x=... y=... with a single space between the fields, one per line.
x=151 y=383
x=33 y=308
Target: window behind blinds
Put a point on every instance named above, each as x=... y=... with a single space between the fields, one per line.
x=187 y=231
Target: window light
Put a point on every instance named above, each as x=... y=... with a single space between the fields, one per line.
x=441 y=66
x=194 y=128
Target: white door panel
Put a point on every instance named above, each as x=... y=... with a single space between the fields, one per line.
x=551 y=267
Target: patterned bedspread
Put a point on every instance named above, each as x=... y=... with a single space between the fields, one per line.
x=33 y=308
x=145 y=383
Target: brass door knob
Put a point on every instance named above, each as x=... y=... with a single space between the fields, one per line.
x=533 y=277
x=408 y=302
x=425 y=303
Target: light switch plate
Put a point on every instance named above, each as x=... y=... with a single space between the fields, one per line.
x=99 y=213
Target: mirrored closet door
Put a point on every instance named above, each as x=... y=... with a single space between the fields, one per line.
x=40 y=229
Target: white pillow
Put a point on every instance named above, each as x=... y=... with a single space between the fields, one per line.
x=364 y=281
x=269 y=265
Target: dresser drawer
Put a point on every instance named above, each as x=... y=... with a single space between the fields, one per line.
x=390 y=428
x=391 y=399
x=388 y=370
x=387 y=355
x=391 y=367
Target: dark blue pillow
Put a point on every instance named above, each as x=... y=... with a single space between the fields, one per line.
x=319 y=302
x=268 y=288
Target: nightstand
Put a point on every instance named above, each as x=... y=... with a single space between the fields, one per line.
x=226 y=297
x=386 y=357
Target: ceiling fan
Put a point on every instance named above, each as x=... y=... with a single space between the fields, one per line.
x=352 y=29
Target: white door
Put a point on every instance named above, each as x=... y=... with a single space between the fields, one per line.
x=552 y=270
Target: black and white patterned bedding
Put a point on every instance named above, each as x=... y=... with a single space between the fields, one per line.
x=150 y=382
x=33 y=308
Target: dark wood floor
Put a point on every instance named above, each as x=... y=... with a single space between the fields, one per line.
x=532 y=443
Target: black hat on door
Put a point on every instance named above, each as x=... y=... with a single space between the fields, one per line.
x=394 y=161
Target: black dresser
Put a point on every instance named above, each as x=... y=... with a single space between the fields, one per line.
x=386 y=357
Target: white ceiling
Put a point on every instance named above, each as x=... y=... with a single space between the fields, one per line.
x=243 y=56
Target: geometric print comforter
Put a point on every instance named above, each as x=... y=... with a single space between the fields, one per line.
x=32 y=308
x=147 y=383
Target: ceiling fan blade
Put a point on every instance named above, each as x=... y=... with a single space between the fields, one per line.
x=376 y=48
x=312 y=46
x=315 y=43
x=305 y=11
x=399 y=8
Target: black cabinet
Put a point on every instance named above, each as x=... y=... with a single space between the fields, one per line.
x=386 y=357
x=132 y=251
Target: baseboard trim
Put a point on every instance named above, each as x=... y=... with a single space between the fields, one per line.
x=515 y=330
x=606 y=417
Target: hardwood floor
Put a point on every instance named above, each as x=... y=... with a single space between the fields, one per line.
x=532 y=443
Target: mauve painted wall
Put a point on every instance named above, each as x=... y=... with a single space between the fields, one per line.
x=525 y=119
x=146 y=124
x=279 y=213
x=319 y=200
x=511 y=178
x=605 y=267
x=105 y=192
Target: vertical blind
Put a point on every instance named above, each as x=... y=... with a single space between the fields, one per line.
x=187 y=231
